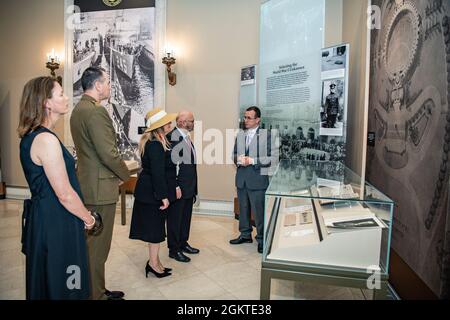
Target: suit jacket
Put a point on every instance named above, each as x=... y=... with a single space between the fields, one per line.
x=253 y=177
x=99 y=165
x=157 y=180
x=182 y=156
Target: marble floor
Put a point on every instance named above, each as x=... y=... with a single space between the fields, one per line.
x=221 y=271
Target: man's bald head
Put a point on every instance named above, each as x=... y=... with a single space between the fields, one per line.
x=183 y=115
x=185 y=120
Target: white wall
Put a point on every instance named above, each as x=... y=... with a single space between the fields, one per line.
x=216 y=38
x=355 y=32
x=28 y=30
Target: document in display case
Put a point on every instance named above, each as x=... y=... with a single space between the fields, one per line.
x=321 y=215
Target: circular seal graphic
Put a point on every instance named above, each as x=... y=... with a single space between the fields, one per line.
x=403 y=33
x=112 y=3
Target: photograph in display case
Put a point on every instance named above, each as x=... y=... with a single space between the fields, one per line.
x=290 y=219
x=332 y=110
x=306 y=217
x=331 y=194
x=355 y=223
x=295 y=214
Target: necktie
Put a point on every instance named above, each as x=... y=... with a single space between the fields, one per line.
x=248 y=140
x=191 y=147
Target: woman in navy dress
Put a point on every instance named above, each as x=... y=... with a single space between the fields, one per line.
x=155 y=189
x=54 y=219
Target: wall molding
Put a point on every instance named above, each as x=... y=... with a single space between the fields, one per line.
x=17 y=193
x=213 y=208
x=201 y=207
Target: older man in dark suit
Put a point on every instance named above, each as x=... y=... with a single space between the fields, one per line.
x=180 y=212
x=252 y=156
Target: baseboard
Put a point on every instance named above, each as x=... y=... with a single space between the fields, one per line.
x=213 y=208
x=17 y=193
x=201 y=207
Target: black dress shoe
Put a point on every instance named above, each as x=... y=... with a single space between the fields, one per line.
x=241 y=240
x=179 y=256
x=114 y=295
x=188 y=249
x=260 y=248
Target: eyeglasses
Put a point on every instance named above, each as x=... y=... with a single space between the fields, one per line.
x=248 y=118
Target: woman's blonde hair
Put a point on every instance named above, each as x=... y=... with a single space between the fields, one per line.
x=32 y=105
x=157 y=134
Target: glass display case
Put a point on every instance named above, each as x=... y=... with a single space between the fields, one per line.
x=324 y=222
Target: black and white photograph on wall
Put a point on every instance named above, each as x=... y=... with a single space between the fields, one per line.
x=300 y=140
x=334 y=58
x=121 y=42
x=247 y=75
x=332 y=109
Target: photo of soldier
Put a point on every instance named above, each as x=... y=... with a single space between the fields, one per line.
x=332 y=111
x=332 y=107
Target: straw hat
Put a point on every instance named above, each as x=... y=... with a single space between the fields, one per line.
x=157 y=118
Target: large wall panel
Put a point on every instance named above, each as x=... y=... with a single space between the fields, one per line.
x=409 y=114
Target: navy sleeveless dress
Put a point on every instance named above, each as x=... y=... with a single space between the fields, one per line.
x=53 y=239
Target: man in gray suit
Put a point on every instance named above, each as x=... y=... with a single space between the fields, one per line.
x=252 y=156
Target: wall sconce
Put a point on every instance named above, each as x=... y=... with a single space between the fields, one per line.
x=53 y=63
x=169 y=60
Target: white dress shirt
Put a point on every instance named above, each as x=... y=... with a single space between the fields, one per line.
x=249 y=135
x=183 y=132
x=186 y=137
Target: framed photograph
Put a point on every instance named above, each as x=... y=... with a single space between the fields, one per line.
x=334 y=59
x=124 y=39
x=248 y=75
x=332 y=112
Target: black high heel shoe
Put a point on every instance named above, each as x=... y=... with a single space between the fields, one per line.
x=165 y=269
x=148 y=269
